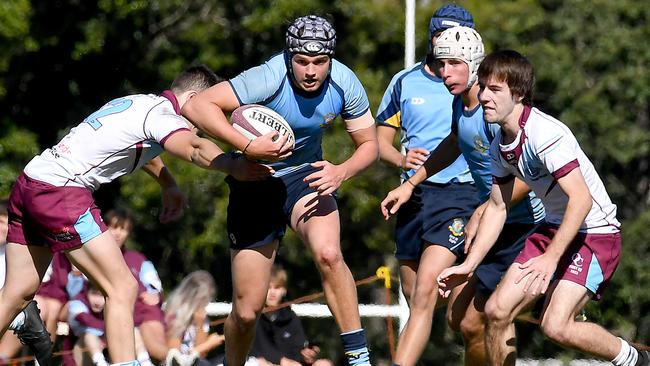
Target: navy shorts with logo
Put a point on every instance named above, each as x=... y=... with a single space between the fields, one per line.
x=259 y=211
x=436 y=214
x=497 y=261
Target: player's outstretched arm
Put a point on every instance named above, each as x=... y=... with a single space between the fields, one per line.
x=205 y=154
x=445 y=154
x=173 y=199
x=414 y=157
x=207 y=111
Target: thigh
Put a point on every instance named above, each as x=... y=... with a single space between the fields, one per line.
x=255 y=212
x=315 y=219
x=101 y=260
x=251 y=273
x=407 y=272
x=433 y=260
x=509 y=296
x=26 y=266
x=461 y=303
x=565 y=301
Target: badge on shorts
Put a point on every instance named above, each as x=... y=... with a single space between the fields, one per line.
x=457 y=226
x=63 y=235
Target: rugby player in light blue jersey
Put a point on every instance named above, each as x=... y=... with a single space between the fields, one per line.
x=429 y=227
x=310 y=89
x=459 y=51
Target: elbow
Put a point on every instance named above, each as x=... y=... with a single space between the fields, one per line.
x=375 y=150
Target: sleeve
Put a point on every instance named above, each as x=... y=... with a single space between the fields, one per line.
x=500 y=173
x=162 y=123
x=261 y=82
x=389 y=112
x=354 y=95
x=557 y=150
x=149 y=278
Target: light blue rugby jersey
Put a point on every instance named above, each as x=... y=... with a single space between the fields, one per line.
x=474 y=139
x=418 y=103
x=308 y=114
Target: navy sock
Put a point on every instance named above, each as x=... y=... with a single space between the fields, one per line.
x=356 y=348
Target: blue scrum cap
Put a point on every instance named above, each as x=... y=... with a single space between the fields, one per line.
x=450 y=15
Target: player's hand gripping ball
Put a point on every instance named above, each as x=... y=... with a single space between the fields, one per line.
x=253 y=120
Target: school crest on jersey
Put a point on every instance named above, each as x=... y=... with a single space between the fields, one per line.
x=328 y=119
x=480 y=145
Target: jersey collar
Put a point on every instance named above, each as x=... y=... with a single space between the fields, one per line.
x=512 y=152
x=172 y=98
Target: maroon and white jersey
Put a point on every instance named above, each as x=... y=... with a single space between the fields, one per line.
x=544 y=151
x=117 y=139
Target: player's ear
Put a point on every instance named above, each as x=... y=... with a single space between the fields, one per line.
x=191 y=94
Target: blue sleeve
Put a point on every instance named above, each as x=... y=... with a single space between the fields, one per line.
x=356 y=100
x=259 y=83
x=149 y=278
x=389 y=112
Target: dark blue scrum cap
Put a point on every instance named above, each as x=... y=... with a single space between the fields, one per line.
x=447 y=16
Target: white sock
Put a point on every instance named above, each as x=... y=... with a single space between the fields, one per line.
x=99 y=359
x=627 y=356
x=126 y=363
x=18 y=321
x=144 y=359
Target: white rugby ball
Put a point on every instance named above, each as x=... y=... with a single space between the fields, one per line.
x=254 y=120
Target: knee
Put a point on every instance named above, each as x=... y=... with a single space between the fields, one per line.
x=472 y=329
x=329 y=258
x=453 y=320
x=125 y=291
x=496 y=313
x=245 y=316
x=17 y=297
x=425 y=295
x=555 y=330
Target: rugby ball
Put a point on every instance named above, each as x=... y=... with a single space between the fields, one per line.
x=253 y=120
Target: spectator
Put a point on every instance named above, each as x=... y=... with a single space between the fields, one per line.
x=280 y=338
x=86 y=319
x=187 y=322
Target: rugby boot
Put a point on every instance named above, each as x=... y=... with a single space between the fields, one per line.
x=644 y=358
x=34 y=335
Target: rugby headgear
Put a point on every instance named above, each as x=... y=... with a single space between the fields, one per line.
x=447 y=16
x=311 y=35
x=462 y=43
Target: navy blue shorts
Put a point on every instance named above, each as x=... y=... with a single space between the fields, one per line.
x=436 y=214
x=497 y=261
x=259 y=211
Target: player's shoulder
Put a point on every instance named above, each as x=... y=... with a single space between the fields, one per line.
x=341 y=73
x=276 y=64
x=540 y=127
x=411 y=71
